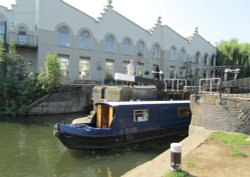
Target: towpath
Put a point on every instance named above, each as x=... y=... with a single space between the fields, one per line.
x=159 y=166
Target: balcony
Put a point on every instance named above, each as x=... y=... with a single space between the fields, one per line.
x=20 y=40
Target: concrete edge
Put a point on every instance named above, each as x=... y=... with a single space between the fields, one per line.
x=160 y=165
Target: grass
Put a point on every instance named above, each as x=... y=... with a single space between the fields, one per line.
x=233 y=141
x=191 y=163
x=179 y=173
x=237 y=153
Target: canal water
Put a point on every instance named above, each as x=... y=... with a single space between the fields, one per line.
x=28 y=149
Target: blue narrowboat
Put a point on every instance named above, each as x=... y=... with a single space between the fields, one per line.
x=118 y=123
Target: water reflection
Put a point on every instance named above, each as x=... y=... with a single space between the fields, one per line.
x=31 y=150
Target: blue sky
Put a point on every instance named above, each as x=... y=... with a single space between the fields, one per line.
x=216 y=20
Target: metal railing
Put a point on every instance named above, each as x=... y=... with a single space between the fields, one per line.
x=175 y=85
x=238 y=83
x=22 y=40
x=209 y=85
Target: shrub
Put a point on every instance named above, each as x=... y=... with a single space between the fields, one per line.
x=19 y=89
x=49 y=79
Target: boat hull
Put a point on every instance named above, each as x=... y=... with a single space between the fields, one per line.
x=73 y=141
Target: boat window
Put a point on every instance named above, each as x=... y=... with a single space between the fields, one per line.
x=141 y=115
x=183 y=112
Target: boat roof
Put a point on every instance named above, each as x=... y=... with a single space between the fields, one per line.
x=143 y=102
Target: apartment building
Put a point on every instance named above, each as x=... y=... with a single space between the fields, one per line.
x=95 y=49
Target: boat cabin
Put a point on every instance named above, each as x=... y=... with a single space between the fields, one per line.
x=126 y=114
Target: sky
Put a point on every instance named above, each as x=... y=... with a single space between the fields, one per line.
x=217 y=20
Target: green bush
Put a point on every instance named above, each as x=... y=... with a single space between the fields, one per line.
x=29 y=91
x=18 y=89
x=49 y=80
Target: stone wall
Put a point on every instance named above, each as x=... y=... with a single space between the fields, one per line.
x=78 y=98
x=123 y=93
x=70 y=99
x=228 y=114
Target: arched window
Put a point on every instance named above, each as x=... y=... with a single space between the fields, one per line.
x=63 y=37
x=156 y=52
x=204 y=74
x=127 y=48
x=22 y=35
x=85 y=40
x=173 y=53
x=140 y=49
x=183 y=55
x=2 y=31
x=213 y=60
x=110 y=44
x=206 y=60
x=197 y=57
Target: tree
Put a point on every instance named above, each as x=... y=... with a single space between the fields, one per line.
x=18 y=89
x=50 y=78
x=28 y=91
x=12 y=72
x=233 y=53
x=3 y=63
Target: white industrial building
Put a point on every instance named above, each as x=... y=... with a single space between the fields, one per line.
x=95 y=49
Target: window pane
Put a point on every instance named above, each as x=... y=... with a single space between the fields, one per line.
x=85 y=40
x=182 y=55
x=127 y=47
x=84 y=68
x=22 y=36
x=110 y=44
x=63 y=36
x=2 y=30
x=173 y=53
x=156 y=52
x=197 y=57
x=206 y=59
x=140 y=69
x=172 y=72
x=64 y=65
x=22 y=39
x=140 y=49
x=141 y=115
x=109 y=69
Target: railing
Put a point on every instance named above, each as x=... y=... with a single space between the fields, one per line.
x=175 y=85
x=234 y=88
x=22 y=40
x=209 y=84
x=238 y=83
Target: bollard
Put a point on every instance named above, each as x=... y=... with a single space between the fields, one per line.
x=175 y=163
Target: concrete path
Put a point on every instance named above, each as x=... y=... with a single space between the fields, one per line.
x=159 y=166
